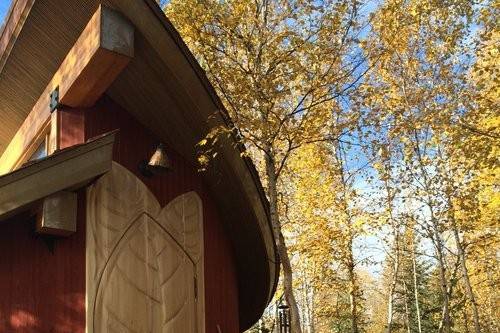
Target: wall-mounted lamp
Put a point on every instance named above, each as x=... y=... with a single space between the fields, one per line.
x=284 y=318
x=158 y=163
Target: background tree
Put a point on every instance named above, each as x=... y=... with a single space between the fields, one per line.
x=420 y=99
x=326 y=219
x=280 y=68
x=372 y=125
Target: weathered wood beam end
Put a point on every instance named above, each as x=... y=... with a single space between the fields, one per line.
x=103 y=50
x=58 y=214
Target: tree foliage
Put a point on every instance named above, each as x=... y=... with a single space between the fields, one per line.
x=375 y=128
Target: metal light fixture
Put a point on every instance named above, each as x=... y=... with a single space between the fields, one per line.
x=158 y=163
x=283 y=316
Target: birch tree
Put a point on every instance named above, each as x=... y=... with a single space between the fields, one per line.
x=414 y=86
x=280 y=68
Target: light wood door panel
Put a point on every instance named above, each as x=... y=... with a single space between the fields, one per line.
x=144 y=263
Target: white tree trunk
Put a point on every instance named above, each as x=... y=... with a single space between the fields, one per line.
x=445 y=324
x=415 y=286
x=465 y=273
x=392 y=287
x=280 y=244
x=353 y=291
x=407 y=310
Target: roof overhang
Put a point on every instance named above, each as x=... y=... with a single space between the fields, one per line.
x=166 y=90
x=68 y=169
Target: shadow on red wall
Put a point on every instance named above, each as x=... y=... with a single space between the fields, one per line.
x=42 y=281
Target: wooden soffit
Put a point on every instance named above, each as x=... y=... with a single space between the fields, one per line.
x=67 y=169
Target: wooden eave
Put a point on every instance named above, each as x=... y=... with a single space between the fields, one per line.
x=12 y=26
x=164 y=87
x=67 y=169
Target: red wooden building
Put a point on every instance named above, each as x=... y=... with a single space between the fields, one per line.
x=105 y=223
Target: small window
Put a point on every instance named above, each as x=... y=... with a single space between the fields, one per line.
x=37 y=149
x=40 y=151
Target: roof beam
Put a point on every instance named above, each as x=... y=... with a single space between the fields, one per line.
x=102 y=51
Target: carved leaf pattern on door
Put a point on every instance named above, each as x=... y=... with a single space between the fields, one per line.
x=142 y=261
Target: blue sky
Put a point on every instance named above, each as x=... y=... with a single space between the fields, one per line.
x=4 y=7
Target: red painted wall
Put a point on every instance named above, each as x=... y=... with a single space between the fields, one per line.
x=221 y=291
x=41 y=291
x=45 y=292
x=42 y=279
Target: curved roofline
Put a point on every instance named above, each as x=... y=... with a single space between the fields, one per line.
x=11 y=30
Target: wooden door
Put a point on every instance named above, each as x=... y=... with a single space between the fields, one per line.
x=144 y=263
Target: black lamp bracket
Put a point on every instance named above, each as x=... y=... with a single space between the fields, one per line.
x=54 y=100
